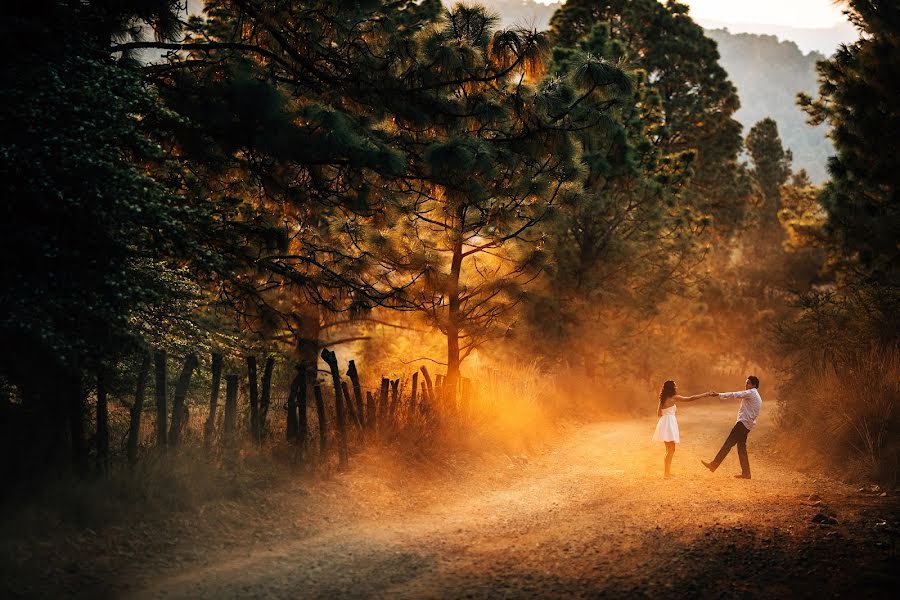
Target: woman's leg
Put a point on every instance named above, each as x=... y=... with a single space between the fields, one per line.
x=670 y=452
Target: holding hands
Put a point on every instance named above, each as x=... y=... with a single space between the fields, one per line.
x=712 y=393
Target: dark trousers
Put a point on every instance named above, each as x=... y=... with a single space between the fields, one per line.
x=737 y=436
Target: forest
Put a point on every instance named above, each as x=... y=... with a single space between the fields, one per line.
x=769 y=74
x=277 y=237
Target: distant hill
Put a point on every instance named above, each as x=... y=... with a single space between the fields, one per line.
x=825 y=39
x=768 y=74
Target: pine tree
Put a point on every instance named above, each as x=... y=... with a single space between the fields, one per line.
x=698 y=102
x=440 y=128
x=98 y=230
x=625 y=240
x=858 y=94
x=488 y=162
x=771 y=168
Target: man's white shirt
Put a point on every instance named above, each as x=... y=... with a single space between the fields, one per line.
x=751 y=403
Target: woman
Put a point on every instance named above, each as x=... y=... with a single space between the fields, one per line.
x=667 y=426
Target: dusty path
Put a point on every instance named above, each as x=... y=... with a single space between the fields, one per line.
x=590 y=516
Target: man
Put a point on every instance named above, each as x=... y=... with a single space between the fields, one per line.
x=751 y=403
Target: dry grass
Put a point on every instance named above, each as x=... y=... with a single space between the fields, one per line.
x=848 y=417
x=511 y=413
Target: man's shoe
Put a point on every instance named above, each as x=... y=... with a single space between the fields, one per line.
x=708 y=466
x=741 y=476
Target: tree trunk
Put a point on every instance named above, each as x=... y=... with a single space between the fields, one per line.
x=308 y=330
x=134 y=425
x=331 y=360
x=210 y=426
x=102 y=424
x=254 y=399
x=415 y=388
x=231 y=391
x=448 y=392
x=179 y=406
x=265 y=397
x=320 y=412
x=159 y=361
x=453 y=305
x=357 y=391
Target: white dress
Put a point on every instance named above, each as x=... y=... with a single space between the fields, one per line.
x=667 y=427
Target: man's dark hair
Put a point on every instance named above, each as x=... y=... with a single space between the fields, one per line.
x=754 y=381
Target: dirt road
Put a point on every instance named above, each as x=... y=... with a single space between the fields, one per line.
x=588 y=516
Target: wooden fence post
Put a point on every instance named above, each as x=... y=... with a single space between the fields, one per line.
x=291 y=419
x=179 y=407
x=159 y=362
x=415 y=389
x=357 y=391
x=134 y=424
x=302 y=395
x=349 y=404
x=371 y=419
x=210 y=427
x=231 y=391
x=428 y=385
x=382 y=400
x=320 y=411
x=331 y=360
x=395 y=396
x=265 y=396
x=102 y=423
x=254 y=399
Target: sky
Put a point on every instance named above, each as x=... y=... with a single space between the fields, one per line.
x=813 y=14
x=812 y=24
x=790 y=13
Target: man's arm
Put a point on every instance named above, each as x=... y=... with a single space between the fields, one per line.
x=741 y=394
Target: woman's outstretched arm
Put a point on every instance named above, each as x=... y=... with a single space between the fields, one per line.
x=692 y=398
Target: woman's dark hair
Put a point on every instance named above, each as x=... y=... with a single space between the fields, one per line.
x=667 y=391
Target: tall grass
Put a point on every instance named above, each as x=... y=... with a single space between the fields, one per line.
x=509 y=412
x=848 y=412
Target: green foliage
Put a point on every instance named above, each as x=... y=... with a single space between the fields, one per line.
x=94 y=217
x=497 y=155
x=771 y=167
x=628 y=238
x=857 y=98
x=844 y=338
x=772 y=257
x=696 y=99
x=287 y=161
